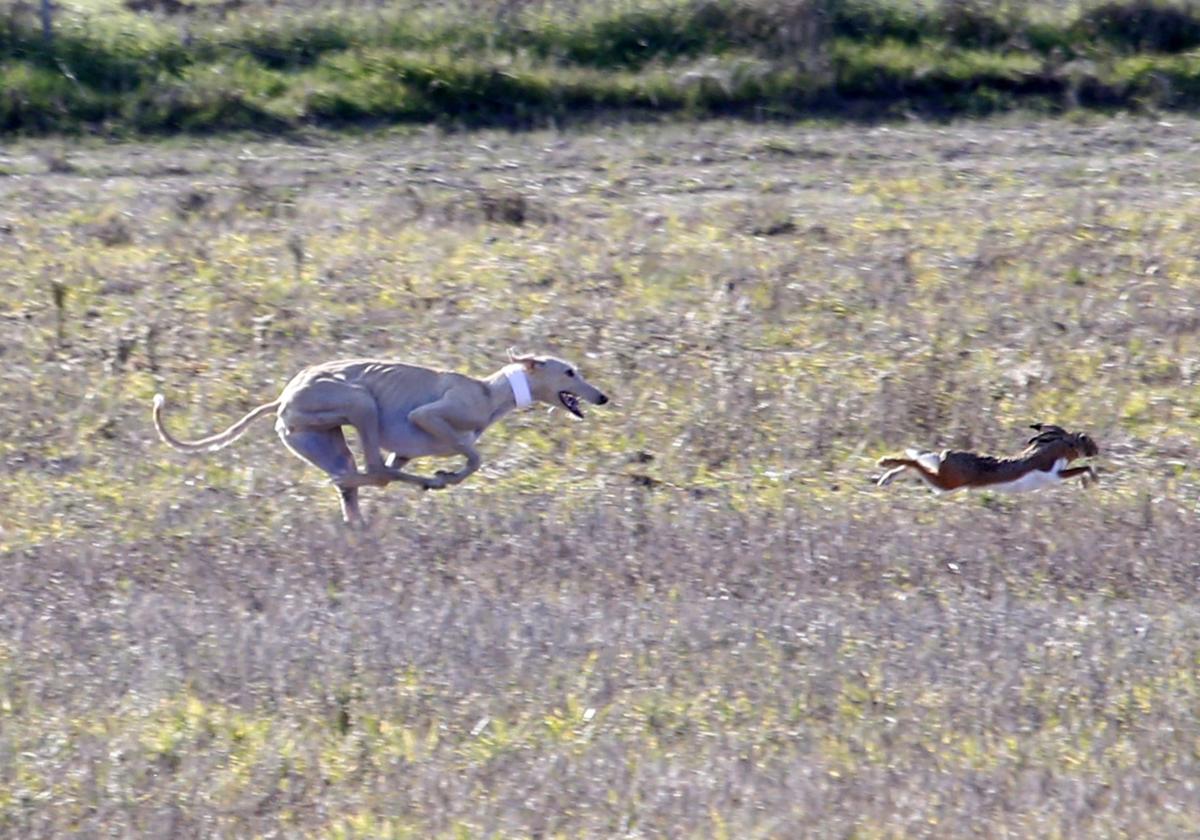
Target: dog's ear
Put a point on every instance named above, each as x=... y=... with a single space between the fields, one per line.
x=528 y=361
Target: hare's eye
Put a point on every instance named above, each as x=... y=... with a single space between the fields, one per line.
x=570 y=373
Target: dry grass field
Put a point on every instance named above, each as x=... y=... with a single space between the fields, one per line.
x=691 y=615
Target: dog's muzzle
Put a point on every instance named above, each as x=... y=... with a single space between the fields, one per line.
x=570 y=402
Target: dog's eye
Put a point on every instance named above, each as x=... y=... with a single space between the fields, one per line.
x=570 y=373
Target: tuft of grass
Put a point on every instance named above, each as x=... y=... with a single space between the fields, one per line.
x=1142 y=25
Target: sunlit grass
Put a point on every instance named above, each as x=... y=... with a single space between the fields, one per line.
x=691 y=614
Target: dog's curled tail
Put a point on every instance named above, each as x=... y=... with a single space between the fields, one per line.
x=213 y=442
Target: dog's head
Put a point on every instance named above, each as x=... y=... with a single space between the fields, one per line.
x=559 y=383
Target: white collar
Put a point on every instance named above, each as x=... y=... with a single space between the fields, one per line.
x=519 y=382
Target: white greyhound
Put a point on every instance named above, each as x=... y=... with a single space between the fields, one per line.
x=404 y=410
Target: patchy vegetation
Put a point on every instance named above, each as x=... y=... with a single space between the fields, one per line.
x=692 y=614
x=150 y=67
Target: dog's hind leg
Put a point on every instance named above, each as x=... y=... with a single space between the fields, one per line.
x=334 y=405
x=327 y=449
x=362 y=412
x=326 y=405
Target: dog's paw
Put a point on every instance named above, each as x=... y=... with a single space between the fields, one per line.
x=437 y=482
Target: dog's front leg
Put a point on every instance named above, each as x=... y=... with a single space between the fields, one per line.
x=386 y=477
x=395 y=464
x=473 y=462
x=432 y=420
